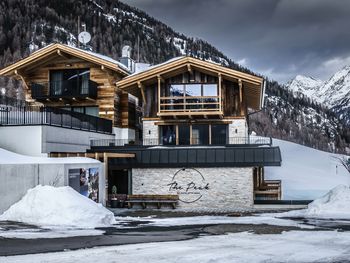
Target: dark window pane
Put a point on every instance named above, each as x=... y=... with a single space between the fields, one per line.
x=200 y=134
x=218 y=134
x=184 y=134
x=168 y=135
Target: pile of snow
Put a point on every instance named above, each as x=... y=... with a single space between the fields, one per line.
x=306 y=173
x=58 y=206
x=7 y=157
x=335 y=204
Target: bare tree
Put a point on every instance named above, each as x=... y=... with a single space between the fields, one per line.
x=344 y=161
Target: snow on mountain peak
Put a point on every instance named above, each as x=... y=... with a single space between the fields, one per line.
x=305 y=85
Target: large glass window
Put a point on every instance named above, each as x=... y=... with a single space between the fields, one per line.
x=193 y=90
x=200 y=134
x=69 y=82
x=218 y=134
x=184 y=134
x=168 y=135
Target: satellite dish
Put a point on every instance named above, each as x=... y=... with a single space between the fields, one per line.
x=84 y=37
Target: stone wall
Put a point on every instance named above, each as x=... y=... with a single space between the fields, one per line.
x=150 y=132
x=217 y=189
x=238 y=128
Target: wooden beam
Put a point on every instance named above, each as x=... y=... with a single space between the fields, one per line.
x=189 y=68
x=159 y=78
x=139 y=84
x=220 y=99
x=22 y=78
x=61 y=54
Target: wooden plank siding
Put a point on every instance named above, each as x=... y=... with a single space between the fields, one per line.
x=108 y=96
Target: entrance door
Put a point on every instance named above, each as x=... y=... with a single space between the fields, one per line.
x=119 y=178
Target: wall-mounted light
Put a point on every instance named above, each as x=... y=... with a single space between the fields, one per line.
x=68 y=65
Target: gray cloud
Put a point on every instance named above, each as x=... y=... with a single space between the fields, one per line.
x=279 y=38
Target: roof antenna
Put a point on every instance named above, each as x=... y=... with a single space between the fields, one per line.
x=84 y=37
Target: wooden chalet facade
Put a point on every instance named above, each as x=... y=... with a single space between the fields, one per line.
x=77 y=80
x=187 y=101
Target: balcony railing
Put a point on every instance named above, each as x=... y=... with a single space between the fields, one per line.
x=198 y=104
x=34 y=115
x=230 y=141
x=64 y=89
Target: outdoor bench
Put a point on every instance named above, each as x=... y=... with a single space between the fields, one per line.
x=157 y=200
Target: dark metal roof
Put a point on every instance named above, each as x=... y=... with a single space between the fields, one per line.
x=158 y=157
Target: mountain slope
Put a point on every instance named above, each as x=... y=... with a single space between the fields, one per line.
x=334 y=93
x=28 y=25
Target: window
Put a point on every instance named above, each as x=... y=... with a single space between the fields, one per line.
x=184 y=134
x=218 y=134
x=69 y=82
x=168 y=135
x=200 y=134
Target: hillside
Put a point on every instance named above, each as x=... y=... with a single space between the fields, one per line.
x=27 y=26
x=306 y=173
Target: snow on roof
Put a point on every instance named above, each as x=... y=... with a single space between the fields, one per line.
x=100 y=56
x=7 y=157
x=158 y=65
x=109 y=59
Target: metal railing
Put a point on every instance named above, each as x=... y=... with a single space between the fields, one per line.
x=36 y=115
x=230 y=141
x=64 y=89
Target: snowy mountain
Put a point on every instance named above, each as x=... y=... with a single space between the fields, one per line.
x=304 y=85
x=334 y=93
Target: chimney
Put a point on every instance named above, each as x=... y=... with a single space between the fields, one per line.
x=126 y=60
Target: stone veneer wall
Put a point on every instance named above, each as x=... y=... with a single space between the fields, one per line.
x=238 y=128
x=229 y=189
x=150 y=132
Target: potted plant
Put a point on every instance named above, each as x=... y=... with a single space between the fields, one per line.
x=114 y=199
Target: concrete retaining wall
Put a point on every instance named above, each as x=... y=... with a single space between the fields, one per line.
x=16 y=179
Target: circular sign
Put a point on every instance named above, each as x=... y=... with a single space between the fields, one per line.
x=189 y=184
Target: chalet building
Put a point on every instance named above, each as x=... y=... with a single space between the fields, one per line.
x=71 y=88
x=179 y=128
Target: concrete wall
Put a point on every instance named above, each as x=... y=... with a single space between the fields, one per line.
x=223 y=189
x=40 y=140
x=124 y=134
x=16 y=179
x=25 y=140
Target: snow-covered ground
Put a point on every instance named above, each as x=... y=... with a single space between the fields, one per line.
x=293 y=246
x=57 y=207
x=306 y=173
x=7 y=157
x=215 y=220
x=333 y=205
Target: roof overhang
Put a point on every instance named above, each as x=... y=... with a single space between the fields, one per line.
x=54 y=50
x=252 y=85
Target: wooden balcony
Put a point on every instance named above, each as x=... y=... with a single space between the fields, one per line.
x=190 y=105
x=64 y=90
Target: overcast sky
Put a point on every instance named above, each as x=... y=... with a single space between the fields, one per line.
x=278 y=38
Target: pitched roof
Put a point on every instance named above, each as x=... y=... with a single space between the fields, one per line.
x=76 y=52
x=253 y=84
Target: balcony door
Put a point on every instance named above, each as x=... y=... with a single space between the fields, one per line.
x=69 y=82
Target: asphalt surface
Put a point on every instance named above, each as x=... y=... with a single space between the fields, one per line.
x=139 y=232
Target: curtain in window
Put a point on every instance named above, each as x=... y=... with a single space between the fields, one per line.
x=56 y=83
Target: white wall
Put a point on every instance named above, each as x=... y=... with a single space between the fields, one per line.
x=230 y=189
x=40 y=140
x=124 y=134
x=25 y=140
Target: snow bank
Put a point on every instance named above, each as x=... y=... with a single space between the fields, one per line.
x=7 y=157
x=306 y=173
x=335 y=204
x=54 y=207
